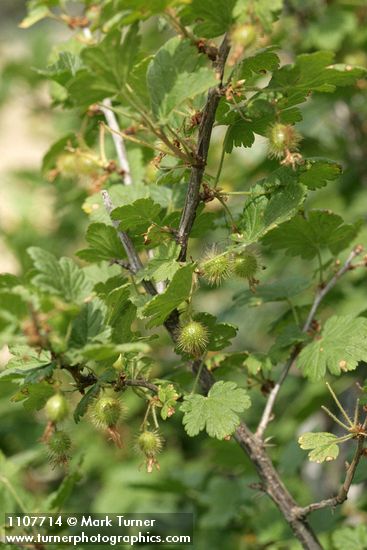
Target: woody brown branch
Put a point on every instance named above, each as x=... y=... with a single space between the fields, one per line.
x=192 y=199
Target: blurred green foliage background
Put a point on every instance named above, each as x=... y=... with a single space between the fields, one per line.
x=208 y=477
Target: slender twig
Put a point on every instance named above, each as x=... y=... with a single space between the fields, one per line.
x=339 y=405
x=344 y=489
x=106 y=108
x=326 y=289
x=197 y=171
x=117 y=140
x=133 y=257
x=320 y=295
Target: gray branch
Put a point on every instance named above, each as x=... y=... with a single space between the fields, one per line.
x=344 y=489
x=131 y=253
x=117 y=140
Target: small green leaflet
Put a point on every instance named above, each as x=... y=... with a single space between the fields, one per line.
x=220 y=334
x=316 y=173
x=61 y=277
x=8 y=281
x=138 y=215
x=266 y=11
x=342 y=344
x=56 y=500
x=26 y=357
x=104 y=244
x=34 y=396
x=175 y=75
x=28 y=364
x=101 y=352
x=256 y=119
x=312 y=72
x=274 y=291
x=350 y=538
x=262 y=61
x=287 y=337
x=105 y=69
x=261 y=214
x=89 y=326
x=305 y=236
x=159 y=307
x=167 y=396
x=35 y=14
x=222 y=499
x=113 y=58
x=323 y=446
x=126 y=194
x=163 y=265
x=216 y=413
x=13 y=304
x=64 y=69
x=213 y=17
x=57 y=148
x=85 y=401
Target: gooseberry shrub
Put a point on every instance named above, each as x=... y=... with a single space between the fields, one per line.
x=165 y=230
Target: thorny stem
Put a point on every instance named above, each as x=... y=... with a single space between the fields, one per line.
x=339 y=405
x=321 y=293
x=335 y=418
x=356 y=413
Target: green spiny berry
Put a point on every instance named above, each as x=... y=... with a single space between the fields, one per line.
x=283 y=138
x=106 y=411
x=59 y=443
x=57 y=408
x=150 y=443
x=246 y=265
x=193 y=338
x=217 y=268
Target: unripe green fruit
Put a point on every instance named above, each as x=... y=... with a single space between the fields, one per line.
x=246 y=265
x=243 y=35
x=106 y=412
x=216 y=269
x=59 y=443
x=193 y=338
x=77 y=164
x=57 y=408
x=282 y=138
x=150 y=443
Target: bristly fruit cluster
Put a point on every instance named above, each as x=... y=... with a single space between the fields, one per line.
x=218 y=267
x=59 y=446
x=193 y=338
x=150 y=444
x=105 y=414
